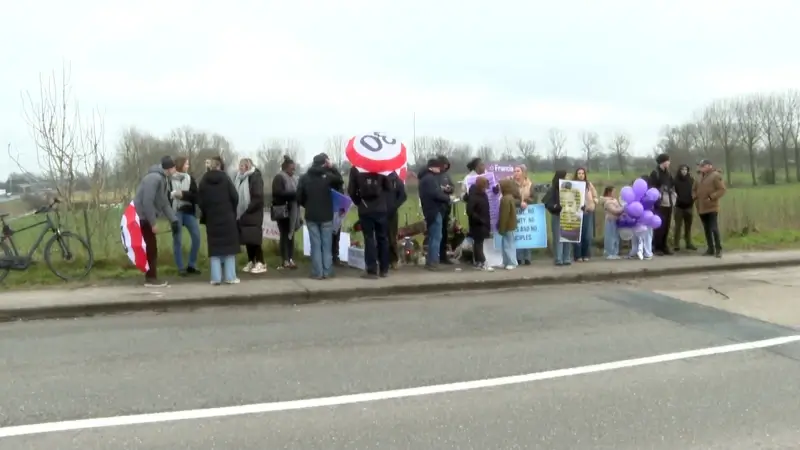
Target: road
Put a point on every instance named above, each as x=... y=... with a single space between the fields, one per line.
x=141 y=365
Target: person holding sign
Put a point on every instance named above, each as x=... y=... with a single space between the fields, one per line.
x=527 y=196
x=583 y=250
x=507 y=223
x=552 y=202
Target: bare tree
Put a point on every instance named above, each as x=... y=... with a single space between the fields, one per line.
x=784 y=128
x=558 y=142
x=441 y=147
x=421 y=149
x=794 y=103
x=619 y=146
x=335 y=148
x=592 y=150
x=768 y=120
x=486 y=152
x=748 y=123
x=527 y=151
x=721 y=117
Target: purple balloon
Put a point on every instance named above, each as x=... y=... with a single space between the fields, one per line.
x=634 y=209
x=647 y=217
x=639 y=188
x=648 y=205
x=627 y=195
x=652 y=195
x=655 y=222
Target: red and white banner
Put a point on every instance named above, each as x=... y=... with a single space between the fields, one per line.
x=378 y=153
x=132 y=239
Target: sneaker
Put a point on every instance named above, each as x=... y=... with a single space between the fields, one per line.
x=718 y=254
x=247 y=267
x=648 y=258
x=510 y=267
x=233 y=281
x=292 y=265
x=192 y=271
x=384 y=274
x=488 y=268
x=155 y=284
x=215 y=283
x=370 y=276
x=612 y=257
x=259 y=268
x=691 y=247
x=527 y=262
x=431 y=267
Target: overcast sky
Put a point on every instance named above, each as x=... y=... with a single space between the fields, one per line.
x=472 y=70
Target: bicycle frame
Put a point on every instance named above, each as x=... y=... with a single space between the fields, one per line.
x=50 y=228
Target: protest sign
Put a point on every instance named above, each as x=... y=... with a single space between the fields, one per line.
x=531 y=229
x=572 y=198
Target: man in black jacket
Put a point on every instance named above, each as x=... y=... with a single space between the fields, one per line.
x=368 y=192
x=684 y=207
x=662 y=180
x=434 y=201
x=337 y=233
x=448 y=187
x=395 y=197
x=314 y=194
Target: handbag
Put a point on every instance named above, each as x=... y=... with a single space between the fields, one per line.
x=279 y=212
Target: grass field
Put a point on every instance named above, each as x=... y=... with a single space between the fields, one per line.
x=751 y=218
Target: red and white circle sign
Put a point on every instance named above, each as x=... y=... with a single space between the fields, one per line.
x=376 y=152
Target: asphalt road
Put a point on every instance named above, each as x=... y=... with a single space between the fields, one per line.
x=141 y=364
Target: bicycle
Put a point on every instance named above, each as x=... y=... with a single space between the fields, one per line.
x=12 y=259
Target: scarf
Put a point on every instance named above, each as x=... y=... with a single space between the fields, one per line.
x=243 y=189
x=180 y=182
x=290 y=186
x=524 y=189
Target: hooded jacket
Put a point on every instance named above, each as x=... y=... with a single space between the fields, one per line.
x=152 y=197
x=218 y=199
x=507 y=218
x=396 y=195
x=662 y=180
x=431 y=195
x=314 y=193
x=684 y=185
x=371 y=206
x=708 y=190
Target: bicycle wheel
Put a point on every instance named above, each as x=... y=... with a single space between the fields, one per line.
x=5 y=251
x=73 y=250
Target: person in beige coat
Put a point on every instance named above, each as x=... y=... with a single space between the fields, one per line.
x=706 y=192
x=583 y=250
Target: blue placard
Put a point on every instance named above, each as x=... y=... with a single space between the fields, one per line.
x=531 y=228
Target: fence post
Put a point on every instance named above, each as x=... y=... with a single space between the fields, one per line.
x=86 y=229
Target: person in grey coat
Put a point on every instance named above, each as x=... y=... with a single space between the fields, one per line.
x=151 y=202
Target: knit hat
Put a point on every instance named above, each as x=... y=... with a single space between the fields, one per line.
x=167 y=163
x=662 y=158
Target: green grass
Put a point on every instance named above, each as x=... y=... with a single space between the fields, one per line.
x=751 y=218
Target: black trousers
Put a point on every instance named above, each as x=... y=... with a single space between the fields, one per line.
x=393 y=225
x=683 y=225
x=286 y=242
x=477 y=250
x=255 y=254
x=661 y=234
x=152 y=250
x=337 y=235
x=445 y=237
x=710 y=223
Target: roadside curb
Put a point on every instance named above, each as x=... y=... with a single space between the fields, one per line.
x=304 y=295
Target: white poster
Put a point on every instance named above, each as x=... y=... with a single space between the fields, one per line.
x=344 y=244
x=270 y=229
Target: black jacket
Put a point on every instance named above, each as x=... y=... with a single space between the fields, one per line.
x=252 y=221
x=373 y=206
x=217 y=199
x=683 y=189
x=280 y=196
x=433 y=199
x=478 y=214
x=314 y=193
x=189 y=196
x=396 y=195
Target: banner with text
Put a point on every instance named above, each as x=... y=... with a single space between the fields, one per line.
x=531 y=228
x=572 y=197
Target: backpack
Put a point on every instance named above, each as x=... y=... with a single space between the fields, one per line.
x=369 y=186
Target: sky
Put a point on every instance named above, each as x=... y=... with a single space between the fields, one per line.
x=471 y=71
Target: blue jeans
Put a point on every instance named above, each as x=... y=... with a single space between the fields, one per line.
x=561 y=250
x=223 y=268
x=434 y=240
x=321 y=236
x=611 y=238
x=190 y=222
x=524 y=254
x=375 y=229
x=584 y=248
x=509 y=249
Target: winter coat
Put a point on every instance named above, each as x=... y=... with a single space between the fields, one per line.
x=152 y=197
x=684 y=186
x=591 y=198
x=396 y=195
x=252 y=221
x=707 y=192
x=314 y=193
x=613 y=208
x=433 y=199
x=187 y=203
x=373 y=205
x=507 y=218
x=662 y=180
x=478 y=214
x=217 y=199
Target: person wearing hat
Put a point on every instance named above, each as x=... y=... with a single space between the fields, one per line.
x=448 y=188
x=368 y=192
x=434 y=201
x=152 y=200
x=314 y=195
x=707 y=192
x=661 y=179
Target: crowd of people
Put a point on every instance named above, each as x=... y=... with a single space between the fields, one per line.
x=232 y=210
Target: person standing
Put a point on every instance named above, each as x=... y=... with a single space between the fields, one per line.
x=552 y=202
x=583 y=249
x=184 y=202
x=218 y=201
x=395 y=197
x=250 y=214
x=151 y=202
x=448 y=188
x=285 y=210
x=613 y=211
x=314 y=195
x=527 y=196
x=684 y=211
x=433 y=200
x=661 y=179
x=338 y=186
x=368 y=192
x=507 y=223
x=479 y=219
x=707 y=192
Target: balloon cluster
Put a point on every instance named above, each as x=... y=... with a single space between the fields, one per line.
x=639 y=204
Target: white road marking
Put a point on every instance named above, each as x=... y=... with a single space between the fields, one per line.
x=260 y=408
